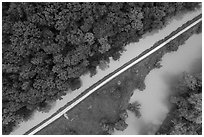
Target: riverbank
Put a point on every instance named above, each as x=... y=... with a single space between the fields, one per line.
x=103 y=98
x=154 y=100
x=185 y=117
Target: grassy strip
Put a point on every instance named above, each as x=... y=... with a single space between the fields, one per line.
x=141 y=78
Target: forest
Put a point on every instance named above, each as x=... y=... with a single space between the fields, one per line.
x=185 y=117
x=46 y=47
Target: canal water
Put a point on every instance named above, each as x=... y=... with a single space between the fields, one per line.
x=154 y=99
x=132 y=50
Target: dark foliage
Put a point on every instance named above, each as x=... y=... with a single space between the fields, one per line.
x=46 y=47
x=186 y=117
x=135 y=108
x=108 y=128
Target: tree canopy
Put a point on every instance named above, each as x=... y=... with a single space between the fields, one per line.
x=186 y=117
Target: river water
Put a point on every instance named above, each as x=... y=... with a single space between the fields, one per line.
x=154 y=99
x=132 y=50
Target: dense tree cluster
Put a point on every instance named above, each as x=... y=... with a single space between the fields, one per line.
x=107 y=127
x=46 y=47
x=120 y=124
x=186 y=118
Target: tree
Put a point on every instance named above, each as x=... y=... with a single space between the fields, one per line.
x=135 y=107
x=106 y=127
x=105 y=46
x=187 y=115
x=121 y=125
x=89 y=37
x=123 y=115
x=136 y=17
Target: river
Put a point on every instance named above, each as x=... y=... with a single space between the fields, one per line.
x=153 y=100
x=132 y=50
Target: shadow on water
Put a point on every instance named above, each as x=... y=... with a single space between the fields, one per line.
x=43 y=107
x=197 y=66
